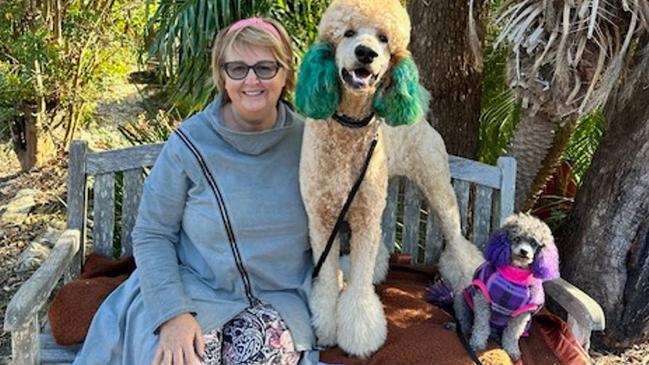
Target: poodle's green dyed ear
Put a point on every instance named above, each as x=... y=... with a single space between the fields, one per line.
x=317 y=92
x=405 y=101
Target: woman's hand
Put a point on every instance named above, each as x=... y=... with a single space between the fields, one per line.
x=181 y=342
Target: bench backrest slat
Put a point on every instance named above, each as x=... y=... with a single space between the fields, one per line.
x=475 y=172
x=390 y=213
x=482 y=215
x=131 y=194
x=77 y=200
x=433 y=243
x=462 y=194
x=104 y=214
x=122 y=159
x=411 y=216
x=506 y=194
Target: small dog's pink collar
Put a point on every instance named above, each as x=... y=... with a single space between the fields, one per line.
x=516 y=274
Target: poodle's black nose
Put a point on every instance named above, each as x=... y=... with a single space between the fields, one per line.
x=364 y=54
x=523 y=253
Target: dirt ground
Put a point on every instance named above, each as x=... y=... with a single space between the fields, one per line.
x=15 y=236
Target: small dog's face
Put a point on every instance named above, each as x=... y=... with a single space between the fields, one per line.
x=525 y=242
x=363 y=58
x=523 y=247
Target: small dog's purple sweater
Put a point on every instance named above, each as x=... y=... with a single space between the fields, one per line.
x=511 y=291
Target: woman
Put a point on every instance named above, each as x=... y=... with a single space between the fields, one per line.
x=221 y=242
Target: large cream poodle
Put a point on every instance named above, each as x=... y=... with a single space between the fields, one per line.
x=356 y=83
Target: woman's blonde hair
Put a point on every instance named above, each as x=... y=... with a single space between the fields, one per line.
x=253 y=35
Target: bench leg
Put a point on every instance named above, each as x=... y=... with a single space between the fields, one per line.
x=25 y=344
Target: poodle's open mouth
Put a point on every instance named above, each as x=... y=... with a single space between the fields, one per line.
x=521 y=261
x=359 y=78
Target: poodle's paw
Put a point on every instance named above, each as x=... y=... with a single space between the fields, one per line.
x=382 y=264
x=478 y=342
x=323 y=308
x=325 y=332
x=514 y=353
x=512 y=349
x=362 y=327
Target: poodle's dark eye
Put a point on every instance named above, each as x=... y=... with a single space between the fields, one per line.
x=350 y=33
x=383 y=38
x=516 y=239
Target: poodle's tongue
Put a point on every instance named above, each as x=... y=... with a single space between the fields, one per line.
x=358 y=78
x=361 y=73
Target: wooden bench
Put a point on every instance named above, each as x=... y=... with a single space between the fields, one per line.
x=485 y=195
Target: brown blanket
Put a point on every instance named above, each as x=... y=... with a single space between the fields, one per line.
x=417 y=333
x=416 y=329
x=75 y=304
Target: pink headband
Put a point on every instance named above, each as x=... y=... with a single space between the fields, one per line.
x=255 y=21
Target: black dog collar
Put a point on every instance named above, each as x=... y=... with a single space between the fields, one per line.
x=350 y=122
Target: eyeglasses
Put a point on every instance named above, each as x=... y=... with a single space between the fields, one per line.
x=265 y=70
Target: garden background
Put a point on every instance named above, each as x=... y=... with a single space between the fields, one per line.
x=562 y=85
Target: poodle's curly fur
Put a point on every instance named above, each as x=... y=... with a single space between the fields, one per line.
x=524 y=242
x=361 y=66
x=388 y=16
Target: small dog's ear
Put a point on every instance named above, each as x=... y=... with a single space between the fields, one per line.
x=546 y=263
x=317 y=92
x=498 y=252
x=405 y=100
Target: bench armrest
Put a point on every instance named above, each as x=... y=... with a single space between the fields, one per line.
x=33 y=294
x=584 y=314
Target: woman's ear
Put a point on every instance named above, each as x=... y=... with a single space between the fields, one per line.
x=405 y=101
x=317 y=92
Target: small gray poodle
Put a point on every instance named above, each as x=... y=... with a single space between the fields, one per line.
x=507 y=289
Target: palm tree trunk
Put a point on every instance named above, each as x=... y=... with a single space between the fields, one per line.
x=550 y=162
x=605 y=242
x=449 y=69
x=532 y=140
x=32 y=144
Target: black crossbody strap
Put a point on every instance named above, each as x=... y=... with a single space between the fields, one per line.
x=224 y=215
x=343 y=211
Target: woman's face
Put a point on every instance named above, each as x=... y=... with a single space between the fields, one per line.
x=254 y=100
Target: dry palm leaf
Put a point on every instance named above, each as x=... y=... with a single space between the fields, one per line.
x=574 y=50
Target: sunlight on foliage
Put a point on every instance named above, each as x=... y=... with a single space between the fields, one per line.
x=61 y=62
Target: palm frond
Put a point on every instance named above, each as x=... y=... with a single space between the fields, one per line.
x=498 y=122
x=500 y=111
x=183 y=31
x=584 y=142
x=568 y=56
x=300 y=18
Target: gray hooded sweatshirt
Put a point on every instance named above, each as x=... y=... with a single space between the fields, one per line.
x=184 y=259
